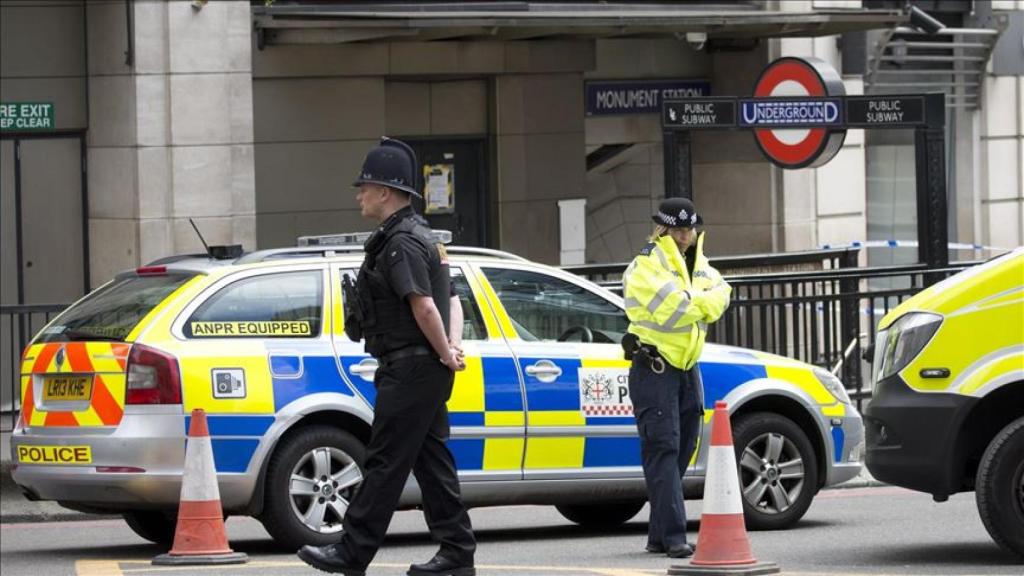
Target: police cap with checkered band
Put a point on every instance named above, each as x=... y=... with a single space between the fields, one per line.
x=677 y=213
x=392 y=164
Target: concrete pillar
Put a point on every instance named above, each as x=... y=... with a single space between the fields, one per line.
x=539 y=139
x=170 y=130
x=734 y=185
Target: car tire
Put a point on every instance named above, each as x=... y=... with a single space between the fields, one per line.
x=153 y=525
x=778 y=470
x=300 y=507
x=600 y=515
x=999 y=488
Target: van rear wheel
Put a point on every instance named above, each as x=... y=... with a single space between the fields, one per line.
x=153 y=525
x=999 y=488
x=311 y=479
x=599 y=515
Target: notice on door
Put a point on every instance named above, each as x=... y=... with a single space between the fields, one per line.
x=26 y=116
x=439 y=196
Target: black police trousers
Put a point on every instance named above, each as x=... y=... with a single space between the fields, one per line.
x=668 y=409
x=410 y=427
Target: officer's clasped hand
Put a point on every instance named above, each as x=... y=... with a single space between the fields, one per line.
x=455 y=359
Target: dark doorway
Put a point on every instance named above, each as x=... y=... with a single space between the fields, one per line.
x=453 y=184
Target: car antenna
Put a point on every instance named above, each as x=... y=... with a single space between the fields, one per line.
x=200 y=234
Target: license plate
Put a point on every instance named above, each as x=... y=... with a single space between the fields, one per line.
x=54 y=454
x=67 y=388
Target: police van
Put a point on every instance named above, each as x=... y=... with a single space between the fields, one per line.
x=541 y=415
x=947 y=410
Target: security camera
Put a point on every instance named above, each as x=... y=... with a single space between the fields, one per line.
x=697 y=39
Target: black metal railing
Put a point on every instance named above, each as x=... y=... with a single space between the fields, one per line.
x=18 y=324
x=610 y=275
x=827 y=318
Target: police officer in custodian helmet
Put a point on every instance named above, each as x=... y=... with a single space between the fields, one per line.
x=400 y=304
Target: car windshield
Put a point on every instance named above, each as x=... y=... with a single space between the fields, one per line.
x=111 y=312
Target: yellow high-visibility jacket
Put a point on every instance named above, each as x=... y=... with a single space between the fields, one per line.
x=666 y=307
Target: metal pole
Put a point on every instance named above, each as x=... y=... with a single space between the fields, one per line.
x=930 y=167
x=678 y=169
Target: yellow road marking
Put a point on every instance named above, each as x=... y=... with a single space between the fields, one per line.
x=113 y=568
x=98 y=567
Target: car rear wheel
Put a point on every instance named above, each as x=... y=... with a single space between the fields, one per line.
x=599 y=515
x=999 y=488
x=777 y=467
x=311 y=479
x=153 y=525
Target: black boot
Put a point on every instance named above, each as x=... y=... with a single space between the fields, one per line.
x=655 y=548
x=329 y=559
x=441 y=566
x=681 y=551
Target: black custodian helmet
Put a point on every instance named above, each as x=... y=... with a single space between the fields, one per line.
x=392 y=164
x=677 y=213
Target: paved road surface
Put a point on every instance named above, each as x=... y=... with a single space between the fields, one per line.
x=853 y=532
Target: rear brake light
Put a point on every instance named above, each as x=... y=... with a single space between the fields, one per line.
x=151 y=271
x=153 y=377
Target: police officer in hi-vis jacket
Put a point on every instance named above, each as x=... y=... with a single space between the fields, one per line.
x=671 y=295
x=400 y=305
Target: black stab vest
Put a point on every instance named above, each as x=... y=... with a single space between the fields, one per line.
x=388 y=322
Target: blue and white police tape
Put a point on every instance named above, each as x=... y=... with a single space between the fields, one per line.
x=912 y=244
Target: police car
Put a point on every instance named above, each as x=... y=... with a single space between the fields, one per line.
x=541 y=415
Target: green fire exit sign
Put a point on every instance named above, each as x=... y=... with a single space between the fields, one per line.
x=26 y=116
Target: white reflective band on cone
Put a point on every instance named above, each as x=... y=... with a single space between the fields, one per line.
x=199 y=481
x=722 y=488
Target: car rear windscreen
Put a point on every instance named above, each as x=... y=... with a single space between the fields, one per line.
x=111 y=312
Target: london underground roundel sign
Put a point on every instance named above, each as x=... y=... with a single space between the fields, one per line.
x=781 y=86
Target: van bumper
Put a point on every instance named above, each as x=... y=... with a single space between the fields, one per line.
x=911 y=437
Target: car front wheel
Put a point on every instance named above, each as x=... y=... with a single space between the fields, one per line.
x=777 y=467
x=999 y=488
x=311 y=479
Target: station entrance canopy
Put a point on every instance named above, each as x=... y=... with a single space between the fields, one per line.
x=334 y=23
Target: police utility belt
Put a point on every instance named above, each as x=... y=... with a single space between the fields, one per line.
x=636 y=351
x=407 y=352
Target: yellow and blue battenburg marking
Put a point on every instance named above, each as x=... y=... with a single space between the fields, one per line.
x=297 y=376
x=234 y=439
x=721 y=378
x=487 y=394
x=551 y=405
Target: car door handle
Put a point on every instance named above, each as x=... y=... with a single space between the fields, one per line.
x=365 y=369
x=544 y=370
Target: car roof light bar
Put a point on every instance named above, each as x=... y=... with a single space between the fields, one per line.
x=359 y=238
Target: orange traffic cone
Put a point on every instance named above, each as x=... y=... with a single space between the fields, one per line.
x=722 y=543
x=199 y=537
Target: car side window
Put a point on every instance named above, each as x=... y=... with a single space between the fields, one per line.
x=473 y=327
x=545 y=308
x=282 y=305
